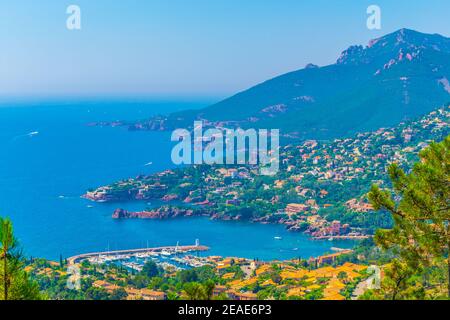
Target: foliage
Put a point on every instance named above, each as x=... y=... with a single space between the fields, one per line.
x=421 y=233
x=14 y=281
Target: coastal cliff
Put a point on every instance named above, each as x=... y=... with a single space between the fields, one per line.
x=159 y=213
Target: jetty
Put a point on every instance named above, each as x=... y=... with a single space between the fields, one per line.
x=171 y=249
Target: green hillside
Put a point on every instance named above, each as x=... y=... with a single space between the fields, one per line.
x=395 y=78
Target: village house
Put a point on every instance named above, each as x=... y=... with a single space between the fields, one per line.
x=144 y=294
x=294 y=208
x=218 y=290
x=233 y=295
x=358 y=206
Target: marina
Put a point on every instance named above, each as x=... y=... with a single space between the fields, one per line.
x=169 y=258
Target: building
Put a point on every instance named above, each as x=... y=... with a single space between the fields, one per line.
x=144 y=294
x=358 y=206
x=147 y=294
x=233 y=295
x=218 y=290
x=109 y=287
x=335 y=228
x=327 y=259
x=294 y=208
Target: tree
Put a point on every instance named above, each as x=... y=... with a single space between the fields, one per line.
x=401 y=282
x=14 y=281
x=194 y=291
x=275 y=277
x=8 y=248
x=198 y=291
x=119 y=294
x=421 y=214
x=94 y=293
x=343 y=276
x=156 y=283
x=208 y=288
x=189 y=275
x=150 y=269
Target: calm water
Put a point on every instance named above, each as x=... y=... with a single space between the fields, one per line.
x=43 y=176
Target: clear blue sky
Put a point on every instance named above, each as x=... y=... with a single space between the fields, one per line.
x=185 y=47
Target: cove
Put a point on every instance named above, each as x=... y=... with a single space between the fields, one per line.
x=42 y=177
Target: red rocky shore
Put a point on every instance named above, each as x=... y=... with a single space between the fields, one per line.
x=159 y=213
x=167 y=212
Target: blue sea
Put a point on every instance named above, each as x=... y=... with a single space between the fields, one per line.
x=43 y=175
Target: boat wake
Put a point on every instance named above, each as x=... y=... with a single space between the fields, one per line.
x=28 y=135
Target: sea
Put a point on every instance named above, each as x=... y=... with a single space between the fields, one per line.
x=49 y=157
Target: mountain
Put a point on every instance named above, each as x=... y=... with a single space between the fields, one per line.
x=394 y=78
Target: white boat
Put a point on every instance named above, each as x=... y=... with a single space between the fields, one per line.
x=133 y=265
x=278 y=238
x=166 y=253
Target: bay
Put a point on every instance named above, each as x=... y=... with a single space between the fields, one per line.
x=49 y=157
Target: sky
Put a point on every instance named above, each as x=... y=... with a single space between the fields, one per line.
x=179 y=48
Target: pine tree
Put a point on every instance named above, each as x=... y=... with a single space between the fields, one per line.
x=420 y=206
x=14 y=281
x=8 y=245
